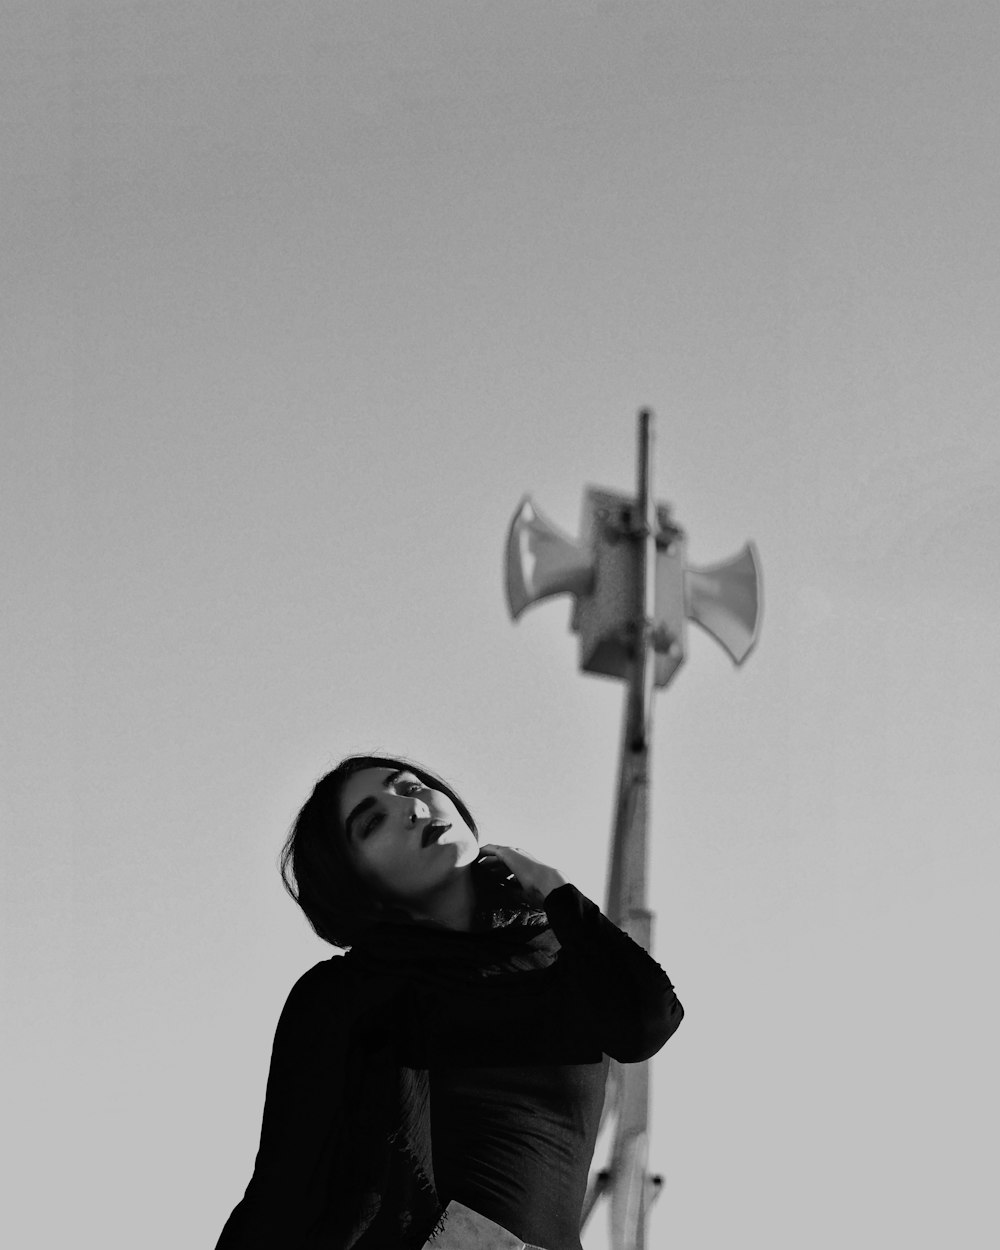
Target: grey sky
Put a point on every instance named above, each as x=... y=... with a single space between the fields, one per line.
x=299 y=299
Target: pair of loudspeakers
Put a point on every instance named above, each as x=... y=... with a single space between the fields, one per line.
x=600 y=570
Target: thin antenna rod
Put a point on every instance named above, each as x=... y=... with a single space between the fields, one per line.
x=644 y=530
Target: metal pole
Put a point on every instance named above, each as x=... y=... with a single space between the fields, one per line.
x=644 y=532
x=617 y=639
x=627 y=868
x=626 y=903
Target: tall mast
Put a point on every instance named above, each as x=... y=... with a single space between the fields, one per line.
x=633 y=595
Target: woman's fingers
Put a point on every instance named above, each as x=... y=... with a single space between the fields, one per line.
x=508 y=854
x=491 y=856
x=536 y=878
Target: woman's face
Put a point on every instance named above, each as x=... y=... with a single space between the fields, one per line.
x=393 y=825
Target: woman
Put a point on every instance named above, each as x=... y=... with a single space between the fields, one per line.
x=441 y=1085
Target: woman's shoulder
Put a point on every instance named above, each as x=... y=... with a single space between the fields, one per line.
x=326 y=972
x=328 y=988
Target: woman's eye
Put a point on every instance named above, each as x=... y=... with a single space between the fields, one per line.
x=411 y=787
x=372 y=823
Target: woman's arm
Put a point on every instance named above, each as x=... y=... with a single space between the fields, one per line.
x=628 y=999
x=290 y=1187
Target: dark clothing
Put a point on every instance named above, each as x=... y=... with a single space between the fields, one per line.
x=515 y=1144
x=426 y=1066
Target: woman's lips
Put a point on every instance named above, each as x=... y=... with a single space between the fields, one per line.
x=433 y=833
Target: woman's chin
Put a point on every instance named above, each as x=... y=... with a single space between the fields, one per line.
x=467 y=856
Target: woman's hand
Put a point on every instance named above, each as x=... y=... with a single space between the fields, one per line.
x=536 y=879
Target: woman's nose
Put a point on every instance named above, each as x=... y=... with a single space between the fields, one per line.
x=419 y=811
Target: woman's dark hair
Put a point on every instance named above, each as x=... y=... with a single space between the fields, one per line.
x=317 y=871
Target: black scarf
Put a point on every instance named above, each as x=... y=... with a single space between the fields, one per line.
x=387 y=1167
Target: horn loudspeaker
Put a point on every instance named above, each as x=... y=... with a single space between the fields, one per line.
x=542 y=560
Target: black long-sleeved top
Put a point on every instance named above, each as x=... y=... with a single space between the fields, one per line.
x=513 y=1136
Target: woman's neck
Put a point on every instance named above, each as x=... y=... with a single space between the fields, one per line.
x=453 y=906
